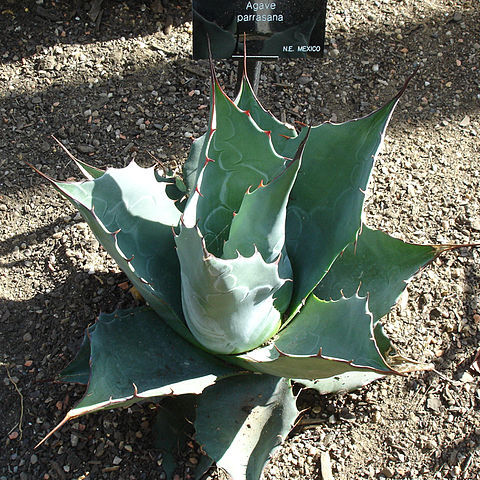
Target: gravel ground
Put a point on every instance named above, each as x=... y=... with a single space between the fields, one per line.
x=124 y=87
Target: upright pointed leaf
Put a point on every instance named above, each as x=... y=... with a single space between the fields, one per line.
x=198 y=152
x=248 y=101
x=377 y=265
x=228 y=304
x=260 y=222
x=89 y=171
x=239 y=155
x=195 y=161
x=240 y=422
x=324 y=212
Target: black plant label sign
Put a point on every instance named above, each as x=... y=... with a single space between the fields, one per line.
x=272 y=29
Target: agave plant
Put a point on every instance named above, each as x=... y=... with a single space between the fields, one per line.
x=257 y=272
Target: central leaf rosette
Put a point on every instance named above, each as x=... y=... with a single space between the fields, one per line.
x=235 y=272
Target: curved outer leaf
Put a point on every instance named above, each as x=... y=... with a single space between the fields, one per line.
x=241 y=421
x=348 y=381
x=325 y=339
x=239 y=155
x=132 y=216
x=173 y=427
x=344 y=382
x=136 y=356
x=377 y=265
x=324 y=211
x=78 y=370
x=228 y=304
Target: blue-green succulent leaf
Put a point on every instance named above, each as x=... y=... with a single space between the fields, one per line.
x=173 y=427
x=228 y=304
x=78 y=370
x=376 y=265
x=260 y=221
x=260 y=224
x=241 y=421
x=348 y=381
x=194 y=163
x=324 y=340
x=343 y=382
x=89 y=171
x=136 y=356
x=198 y=151
x=280 y=132
x=204 y=465
x=232 y=165
x=324 y=212
x=132 y=216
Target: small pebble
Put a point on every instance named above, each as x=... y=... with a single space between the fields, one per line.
x=387 y=472
x=74 y=440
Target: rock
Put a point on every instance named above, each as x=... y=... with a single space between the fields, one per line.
x=100 y=450
x=326 y=466
x=434 y=403
x=475 y=224
x=85 y=148
x=303 y=80
x=387 y=472
x=466 y=378
x=465 y=122
x=376 y=417
x=74 y=440
x=33 y=459
x=430 y=444
x=457 y=17
x=27 y=337
x=157 y=6
x=117 y=460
